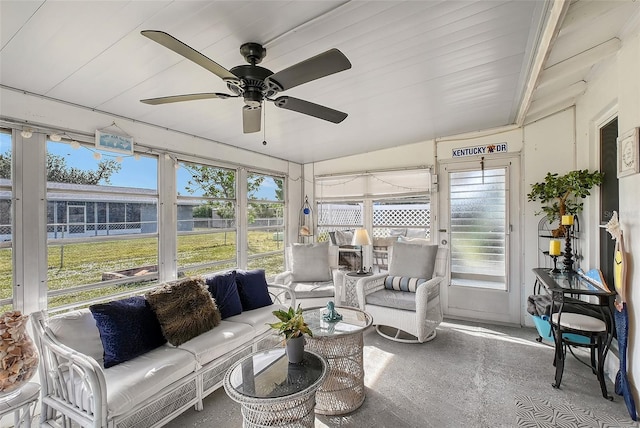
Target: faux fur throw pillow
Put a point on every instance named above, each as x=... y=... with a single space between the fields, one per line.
x=185 y=309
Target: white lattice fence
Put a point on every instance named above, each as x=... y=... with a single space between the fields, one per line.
x=334 y=214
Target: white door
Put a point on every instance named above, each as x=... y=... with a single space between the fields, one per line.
x=479 y=219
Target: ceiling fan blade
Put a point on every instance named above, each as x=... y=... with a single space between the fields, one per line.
x=306 y=107
x=324 y=64
x=170 y=42
x=251 y=119
x=187 y=97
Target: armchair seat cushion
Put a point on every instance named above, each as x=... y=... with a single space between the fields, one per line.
x=392 y=299
x=398 y=299
x=305 y=290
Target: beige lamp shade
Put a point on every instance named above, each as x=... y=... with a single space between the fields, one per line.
x=361 y=237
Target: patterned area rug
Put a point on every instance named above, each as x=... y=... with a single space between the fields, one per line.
x=534 y=413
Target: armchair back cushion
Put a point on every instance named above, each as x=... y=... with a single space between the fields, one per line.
x=412 y=260
x=310 y=262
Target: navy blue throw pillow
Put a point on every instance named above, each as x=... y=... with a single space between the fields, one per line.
x=128 y=328
x=222 y=287
x=252 y=287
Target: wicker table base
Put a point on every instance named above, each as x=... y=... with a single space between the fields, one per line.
x=342 y=345
x=343 y=391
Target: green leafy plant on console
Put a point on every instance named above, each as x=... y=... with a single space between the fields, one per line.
x=563 y=194
x=291 y=324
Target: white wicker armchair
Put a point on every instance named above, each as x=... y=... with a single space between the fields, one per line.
x=311 y=273
x=416 y=313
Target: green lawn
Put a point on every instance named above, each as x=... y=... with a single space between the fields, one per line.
x=83 y=263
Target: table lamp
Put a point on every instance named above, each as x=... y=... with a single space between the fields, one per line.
x=361 y=238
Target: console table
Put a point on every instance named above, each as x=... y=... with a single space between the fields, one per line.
x=575 y=289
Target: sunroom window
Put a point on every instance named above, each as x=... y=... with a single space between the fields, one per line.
x=102 y=223
x=265 y=222
x=206 y=218
x=6 y=223
x=395 y=203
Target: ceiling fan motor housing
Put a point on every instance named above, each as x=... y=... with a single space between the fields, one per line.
x=250 y=84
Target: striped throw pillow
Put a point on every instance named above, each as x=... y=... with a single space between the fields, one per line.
x=403 y=283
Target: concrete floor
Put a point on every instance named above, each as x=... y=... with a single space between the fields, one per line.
x=467 y=377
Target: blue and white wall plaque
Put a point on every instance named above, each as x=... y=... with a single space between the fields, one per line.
x=114 y=142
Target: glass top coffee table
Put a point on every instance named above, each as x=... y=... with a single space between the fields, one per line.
x=273 y=392
x=341 y=344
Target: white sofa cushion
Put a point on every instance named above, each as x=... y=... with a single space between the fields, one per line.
x=77 y=330
x=258 y=318
x=218 y=341
x=134 y=381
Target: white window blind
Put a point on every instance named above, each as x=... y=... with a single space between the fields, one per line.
x=371 y=184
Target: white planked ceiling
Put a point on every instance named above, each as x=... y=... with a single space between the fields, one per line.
x=421 y=69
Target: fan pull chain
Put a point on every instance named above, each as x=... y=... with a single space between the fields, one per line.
x=482 y=168
x=264 y=123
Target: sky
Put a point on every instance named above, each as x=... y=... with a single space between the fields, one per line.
x=140 y=173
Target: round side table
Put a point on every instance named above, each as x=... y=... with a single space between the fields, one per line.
x=350 y=281
x=341 y=343
x=21 y=405
x=273 y=392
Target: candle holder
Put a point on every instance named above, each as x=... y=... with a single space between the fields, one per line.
x=555 y=265
x=568 y=255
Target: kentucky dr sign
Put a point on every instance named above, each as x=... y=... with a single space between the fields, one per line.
x=480 y=150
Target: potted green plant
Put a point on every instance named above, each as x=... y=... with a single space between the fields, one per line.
x=293 y=328
x=562 y=194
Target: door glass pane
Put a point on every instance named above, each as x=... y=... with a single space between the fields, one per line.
x=478 y=228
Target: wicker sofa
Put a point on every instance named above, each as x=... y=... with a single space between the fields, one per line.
x=148 y=390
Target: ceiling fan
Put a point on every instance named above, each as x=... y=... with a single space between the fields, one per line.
x=256 y=84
